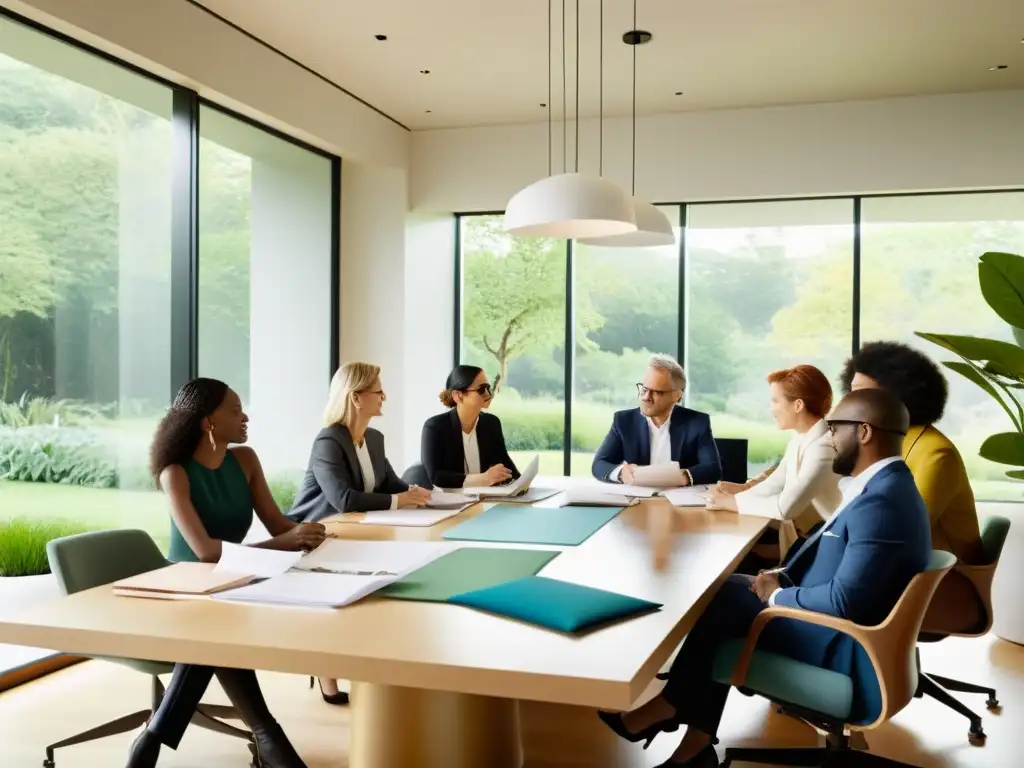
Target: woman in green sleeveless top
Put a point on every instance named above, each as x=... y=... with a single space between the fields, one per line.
x=213 y=490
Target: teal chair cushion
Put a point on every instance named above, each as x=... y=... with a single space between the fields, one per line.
x=993 y=536
x=554 y=604
x=787 y=680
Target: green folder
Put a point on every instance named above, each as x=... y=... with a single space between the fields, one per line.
x=564 y=526
x=466 y=570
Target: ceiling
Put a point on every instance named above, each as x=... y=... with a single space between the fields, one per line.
x=488 y=59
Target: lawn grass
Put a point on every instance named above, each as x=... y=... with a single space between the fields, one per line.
x=90 y=508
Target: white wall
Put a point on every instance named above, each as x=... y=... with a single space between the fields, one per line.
x=186 y=45
x=958 y=141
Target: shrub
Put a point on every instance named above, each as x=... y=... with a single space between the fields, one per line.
x=23 y=545
x=57 y=455
x=284 y=490
x=41 y=411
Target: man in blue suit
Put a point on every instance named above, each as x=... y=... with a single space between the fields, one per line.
x=855 y=567
x=659 y=431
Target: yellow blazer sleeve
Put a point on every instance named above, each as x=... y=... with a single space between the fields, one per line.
x=938 y=475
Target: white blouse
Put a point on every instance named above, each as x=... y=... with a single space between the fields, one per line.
x=471 y=450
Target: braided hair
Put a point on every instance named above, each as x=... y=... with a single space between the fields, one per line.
x=181 y=429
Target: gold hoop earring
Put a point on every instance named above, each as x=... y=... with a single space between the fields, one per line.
x=213 y=440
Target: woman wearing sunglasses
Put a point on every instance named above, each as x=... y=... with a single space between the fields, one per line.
x=466 y=447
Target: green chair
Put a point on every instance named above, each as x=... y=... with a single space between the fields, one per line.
x=93 y=559
x=962 y=607
x=823 y=698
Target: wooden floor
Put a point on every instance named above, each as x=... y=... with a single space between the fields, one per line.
x=925 y=734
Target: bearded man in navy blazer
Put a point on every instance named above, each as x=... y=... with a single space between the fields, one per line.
x=856 y=566
x=660 y=431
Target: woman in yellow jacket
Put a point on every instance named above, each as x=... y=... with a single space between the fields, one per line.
x=934 y=461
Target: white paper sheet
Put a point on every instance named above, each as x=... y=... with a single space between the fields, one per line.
x=512 y=489
x=314 y=590
x=255 y=561
x=665 y=475
x=417 y=518
x=445 y=500
x=586 y=497
x=352 y=557
x=694 y=496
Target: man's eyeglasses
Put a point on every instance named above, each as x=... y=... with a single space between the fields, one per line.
x=643 y=391
x=839 y=422
x=484 y=390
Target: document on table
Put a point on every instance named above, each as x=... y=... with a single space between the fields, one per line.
x=350 y=557
x=516 y=487
x=417 y=518
x=255 y=561
x=586 y=497
x=445 y=500
x=313 y=590
x=665 y=475
x=693 y=496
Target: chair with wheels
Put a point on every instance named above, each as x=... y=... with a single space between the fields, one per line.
x=93 y=559
x=823 y=698
x=733 y=454
x=962 y=607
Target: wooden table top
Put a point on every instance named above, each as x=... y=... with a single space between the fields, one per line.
x=651 y=550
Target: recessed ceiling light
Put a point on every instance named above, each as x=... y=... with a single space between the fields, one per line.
x=429 y=111
x=543 y=104
x=679 y=93
x=381 y=37
x=998 y=67
x=424 y=71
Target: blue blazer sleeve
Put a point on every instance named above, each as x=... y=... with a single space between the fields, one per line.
x=870 y=561
x=708 y=468
x=611 y=453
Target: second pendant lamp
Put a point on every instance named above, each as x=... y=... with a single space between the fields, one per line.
x=569 y=205
x=652 y=226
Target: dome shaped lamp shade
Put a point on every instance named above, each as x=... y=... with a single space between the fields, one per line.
x=570 y=205
x=652 y=229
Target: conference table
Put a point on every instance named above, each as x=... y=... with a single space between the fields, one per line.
x=436 y=684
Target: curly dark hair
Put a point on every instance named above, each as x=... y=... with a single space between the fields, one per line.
x=907 y=373
x=180 y=430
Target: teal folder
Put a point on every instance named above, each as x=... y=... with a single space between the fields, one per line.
x=564 y=526
x=467 y=570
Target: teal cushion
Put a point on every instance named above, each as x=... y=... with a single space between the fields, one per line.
x=554 y=604
x=789 y=681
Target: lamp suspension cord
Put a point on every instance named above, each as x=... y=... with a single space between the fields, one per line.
x=600 y=96
x=634 y=105
x=548 y=105
x=565 y=113
x=577 y=114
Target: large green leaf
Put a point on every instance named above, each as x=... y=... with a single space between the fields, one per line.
x=970 y=372
x=1005 y=358
x=1001 y=276
x=1004 y=448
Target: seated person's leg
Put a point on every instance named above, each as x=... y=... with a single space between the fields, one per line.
x=183 y=694
x=243 y=689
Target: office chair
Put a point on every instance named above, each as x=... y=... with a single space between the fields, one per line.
x=824 y=698
x=417 y=475
x=88 y=560
x=733 y=453
x=973 y=582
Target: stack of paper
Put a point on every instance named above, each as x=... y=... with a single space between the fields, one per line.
x=416 y=518
x=180 y=581
x=665 y=475
x=515 y=488
x=694 y=496
x=443 y=500
x=585 y=496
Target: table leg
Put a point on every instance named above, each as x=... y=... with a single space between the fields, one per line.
x=417 y=728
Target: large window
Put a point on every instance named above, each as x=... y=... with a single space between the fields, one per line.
x=98 y=279
x=513 y=326
x=919 y=273
x=625 y=308
x=768 y=285
x=265 y=212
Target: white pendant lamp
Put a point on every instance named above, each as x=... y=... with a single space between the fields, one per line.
x=569 y=204
x=652 y=226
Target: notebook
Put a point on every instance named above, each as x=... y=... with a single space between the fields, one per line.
x=180 y=580
x=515 y=488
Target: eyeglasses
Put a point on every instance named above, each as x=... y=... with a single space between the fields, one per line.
x=838 y=422
x=374 y=392
x=641 y=391
x=484 y=390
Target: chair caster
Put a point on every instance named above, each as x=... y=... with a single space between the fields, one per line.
x=976 y=735
x=992 y=702
x=48 y=763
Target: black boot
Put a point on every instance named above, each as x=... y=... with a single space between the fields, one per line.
x=145 y=750
x=275 y=751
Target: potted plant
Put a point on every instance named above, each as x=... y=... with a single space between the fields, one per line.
x=25 y=576
x=998 y=368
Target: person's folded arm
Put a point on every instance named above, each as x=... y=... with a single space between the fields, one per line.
x=332 y=475
x=432 y=452
x=708 y=468
x=609 y=455
x=506 y=460
x=869 y=563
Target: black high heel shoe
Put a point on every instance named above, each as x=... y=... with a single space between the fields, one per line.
x=706 y=758
x=614 y=721
x=339 y=699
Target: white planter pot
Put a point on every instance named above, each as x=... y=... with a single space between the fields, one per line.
x=1008 y=587
x=20 y=592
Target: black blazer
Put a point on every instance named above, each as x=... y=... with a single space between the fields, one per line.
x=334 y=482
x=443 y=454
